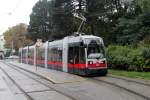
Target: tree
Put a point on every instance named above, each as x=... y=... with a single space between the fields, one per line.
x=16 y=37
x=39 y=21
x=135 y=26
x=102 y=16
x=58 y=20
x=62 y=18
x=143 y=4
x=57 y=17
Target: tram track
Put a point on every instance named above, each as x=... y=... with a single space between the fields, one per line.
x=95 y=79
x=42 y=77
x=17 y=85
x=24 y=72
x=129 y=80
x=98 y=81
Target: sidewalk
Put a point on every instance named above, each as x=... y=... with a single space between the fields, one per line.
x=56 y=77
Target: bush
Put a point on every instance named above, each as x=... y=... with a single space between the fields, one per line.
x=146 y=56
x=127 y=58
x=135 y=60
x=117 y=57
x=146 y=53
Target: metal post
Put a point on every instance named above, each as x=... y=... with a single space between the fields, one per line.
x=12 y=46
x=21 y=56
x=35 y=57
x=46 y=54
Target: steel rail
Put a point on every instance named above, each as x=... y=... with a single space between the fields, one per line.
x=17 y=85
x=121 y=87
x=37 y=80
x=128 y=80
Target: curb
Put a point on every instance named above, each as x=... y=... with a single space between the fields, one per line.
x=138 y=81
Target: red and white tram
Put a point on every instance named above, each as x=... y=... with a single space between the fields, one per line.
x=82 y=55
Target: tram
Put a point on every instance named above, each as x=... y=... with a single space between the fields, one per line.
x=81 y=54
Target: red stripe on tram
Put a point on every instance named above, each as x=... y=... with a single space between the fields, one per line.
x=58 y=63
x=40 y=61
x=80 y=66
x=97 y=65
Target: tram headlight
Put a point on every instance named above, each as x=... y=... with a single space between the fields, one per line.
x=90 y=62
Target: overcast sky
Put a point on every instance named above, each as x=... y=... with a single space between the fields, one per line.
x=13 y=12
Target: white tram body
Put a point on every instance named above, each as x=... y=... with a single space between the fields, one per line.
x=82 y=55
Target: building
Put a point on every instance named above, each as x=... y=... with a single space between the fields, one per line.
x=2 y=48
x=2 y=42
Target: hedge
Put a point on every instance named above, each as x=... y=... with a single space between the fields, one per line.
x=128 y=58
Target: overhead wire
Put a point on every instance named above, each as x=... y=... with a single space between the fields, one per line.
x=16 y=7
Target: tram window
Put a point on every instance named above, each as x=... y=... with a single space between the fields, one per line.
x=70 y=55
x=52 y=54
x=76 y=55
x=55 y=54
x=29 y=54
x=82 y=55
x=24 y=53
x=39 y=53
x=32 y=54
x=43 y=54
x=60 y=54
x=95 y=51
x=49 y=54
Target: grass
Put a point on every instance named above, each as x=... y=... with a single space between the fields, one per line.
x=141 y=75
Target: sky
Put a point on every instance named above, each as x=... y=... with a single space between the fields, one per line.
x=13 y=12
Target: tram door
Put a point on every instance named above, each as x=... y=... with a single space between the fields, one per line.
x=73 y=55
x=76 y=58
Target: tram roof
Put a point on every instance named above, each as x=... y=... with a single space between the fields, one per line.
x=90 y=36
x=70 y=40
x=55 y=42
x=82 y=37
x=25 y=47
x=74 y=39
x=85 y=36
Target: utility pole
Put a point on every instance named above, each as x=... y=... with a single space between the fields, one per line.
x=12 y=47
